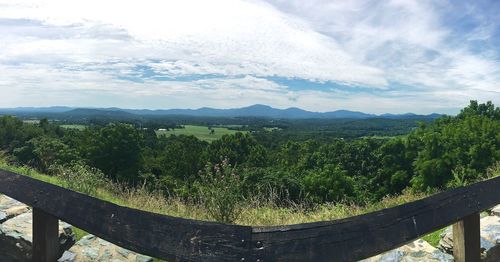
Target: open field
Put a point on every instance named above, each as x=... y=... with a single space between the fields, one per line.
x=230 y=126
x=201 y=132
x=271 y=129
x=31 y=121
x=79 y=127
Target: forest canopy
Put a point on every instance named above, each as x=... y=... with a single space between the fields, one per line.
x=448 y=152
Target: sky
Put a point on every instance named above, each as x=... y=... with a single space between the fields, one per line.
x=392 y=56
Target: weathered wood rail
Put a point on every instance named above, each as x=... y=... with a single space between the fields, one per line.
x=178 y=239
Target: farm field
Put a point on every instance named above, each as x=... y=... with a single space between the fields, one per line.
x=271 y=129
x=79 y=127
x=201 y=132
x=31 y=121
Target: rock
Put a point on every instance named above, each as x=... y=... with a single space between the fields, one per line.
x=418 y=250
x=10 y=208
x=446 y=242
x=16 y=238
x=490 y=239
x=91 y=248
x=495 y=211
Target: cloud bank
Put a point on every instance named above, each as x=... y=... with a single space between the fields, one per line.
x=372 y=56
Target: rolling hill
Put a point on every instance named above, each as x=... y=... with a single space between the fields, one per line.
x=250 y=111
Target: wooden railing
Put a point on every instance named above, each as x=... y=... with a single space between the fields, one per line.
x=179 y=239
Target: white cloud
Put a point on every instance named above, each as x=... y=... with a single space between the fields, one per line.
x=232 y=37
x=85 y=52
x=86 y=88
x=406 y=39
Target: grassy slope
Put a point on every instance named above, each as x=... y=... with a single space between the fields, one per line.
x=201 y=132
x=256 y=213
x=262 y=213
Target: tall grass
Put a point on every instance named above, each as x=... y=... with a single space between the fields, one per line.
x=257 y=211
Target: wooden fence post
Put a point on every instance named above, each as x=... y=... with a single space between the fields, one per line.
x=467 y=239
x=45 y=237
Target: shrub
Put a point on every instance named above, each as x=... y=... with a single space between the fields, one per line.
x=220 y=192
x=329 y=184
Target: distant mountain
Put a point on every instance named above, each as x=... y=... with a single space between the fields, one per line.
x=250 y=111
x=267 y=111
x=347 y=114
x=86 y=112
x=253 y=111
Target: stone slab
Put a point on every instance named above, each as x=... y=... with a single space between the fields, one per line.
x=16 y=238
x=10 y=208
x=91 y=248
x=490 y=239
x=418 y=250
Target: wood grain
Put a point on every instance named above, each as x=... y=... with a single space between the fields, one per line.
x=363 y=236
x=467 y=239
x=165 y=237
x=45 y=237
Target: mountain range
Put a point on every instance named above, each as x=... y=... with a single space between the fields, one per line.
x=250 y=111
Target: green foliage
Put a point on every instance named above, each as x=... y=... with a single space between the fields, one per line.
x=329 y=184
x=395 y=168
x=493 y=171
x=475 y=109
x=116 y=150
x=284 y=185
x=9 y=131
x=462 y=177
x=173 y=163
x=79 y=233
x=434 y=237
x=468 y=144
x=219 y=190
x=181 y=157
x=239 y=148
x=49 y=151
x=301 y=160
x=13 y=133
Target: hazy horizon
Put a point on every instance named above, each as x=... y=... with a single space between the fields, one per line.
x=216 y=108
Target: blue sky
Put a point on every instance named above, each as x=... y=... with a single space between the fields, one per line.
x=371 y=56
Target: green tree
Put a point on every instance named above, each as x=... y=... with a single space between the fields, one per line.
x=180 y=160
x=328 y=184
x=49 y=151
x=239 y=148
x=395 y=170
x=116 y=150
x=475 y=109
x=466 y=145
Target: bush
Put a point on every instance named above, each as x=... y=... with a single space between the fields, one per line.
x=330 y=184
x=220 y=192
x=79 y=177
